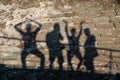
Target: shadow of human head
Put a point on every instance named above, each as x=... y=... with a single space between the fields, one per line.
x=28 y=27
x=87 y=32
x=57 y=27
x=73 y=31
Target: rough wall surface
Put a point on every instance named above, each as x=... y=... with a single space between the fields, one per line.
x=103 y=20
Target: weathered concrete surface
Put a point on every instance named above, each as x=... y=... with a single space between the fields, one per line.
x=103 y=21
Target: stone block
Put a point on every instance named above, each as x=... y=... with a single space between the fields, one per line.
x=118 y=11
x=101 y=51
x=100 y=63
x=101 y=58
x=2 y=25
x=56 y=15
x=49 y=3
x=70 y=14
x=117 y=47
x=30 y=64
x=115 y=19
x=115 y=33
x=30 y=3
x=2 y=11
x=100 y=20
x=117 y=26
x=12 y=62
x=115 y=59
x=5 y=2
x=10 y=56
x=1 y=42
x=32 y=57
x=96 y=32
x=105 y=26
x=108 y=13
x=107 y=35
x=117 y=41
x=89 y=11
x=105 y=41
x=1 y=61
x=47 y=26
x=41 y=36
x=89 y=25
x=75 y=20
x=36 y=64
x=7 y=15
x=106 y=45
x=118 y=36
x=115 y=53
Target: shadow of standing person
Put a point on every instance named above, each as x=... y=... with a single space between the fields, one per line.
x=29 y=42
x=73 y=45
x=90 y=50
x=55 y=47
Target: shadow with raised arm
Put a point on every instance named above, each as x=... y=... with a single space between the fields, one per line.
x=73 y=45
x=29 y=42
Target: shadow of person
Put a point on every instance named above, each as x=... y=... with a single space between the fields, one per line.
x=55 y=46
x=90 y=50
x=29 y=42
x=73 y=45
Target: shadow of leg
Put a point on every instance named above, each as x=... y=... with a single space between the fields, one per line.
x=40 y=55
x=60 y=61
x=51 y=58
x=23 y=58
x=70 y=55
x=78 y=55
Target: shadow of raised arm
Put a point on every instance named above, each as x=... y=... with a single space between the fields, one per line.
x=18 y=29
x=81 y=23
x=38 y=27
x=66 y=27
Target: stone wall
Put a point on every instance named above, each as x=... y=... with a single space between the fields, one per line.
x=103 y=20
